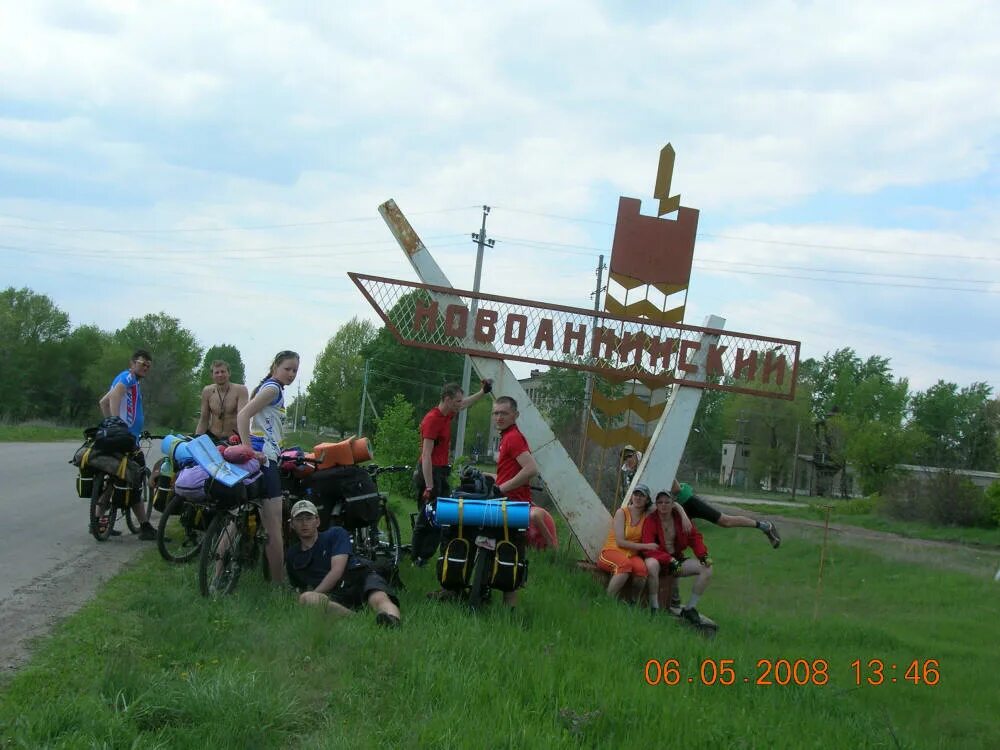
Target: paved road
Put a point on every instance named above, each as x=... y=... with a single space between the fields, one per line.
x=49 y=563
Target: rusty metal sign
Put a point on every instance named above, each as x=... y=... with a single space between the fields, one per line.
x=443 y=318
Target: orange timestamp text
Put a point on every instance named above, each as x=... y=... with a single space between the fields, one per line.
x=783 y=672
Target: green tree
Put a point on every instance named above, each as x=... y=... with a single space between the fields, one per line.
x=703 y=452
x=227 y=353
x=335 y=390
x=397 y=441
x=769 y=426
x=858 y=408
x=170 y=392
x=32 y=330
x=417 y=374
x=961 y=425
x=81 y=350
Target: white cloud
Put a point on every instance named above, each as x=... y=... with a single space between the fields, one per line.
x=238 y=115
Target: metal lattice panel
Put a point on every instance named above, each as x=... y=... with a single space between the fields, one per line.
x=611 y=345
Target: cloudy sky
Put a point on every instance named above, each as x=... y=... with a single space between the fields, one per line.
x=223 y=162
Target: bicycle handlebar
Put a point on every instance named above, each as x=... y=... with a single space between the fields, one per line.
x=375 y=469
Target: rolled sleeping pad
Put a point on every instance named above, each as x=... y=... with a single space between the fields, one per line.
x=183 y=455
x=484 y=512
x=361 y=449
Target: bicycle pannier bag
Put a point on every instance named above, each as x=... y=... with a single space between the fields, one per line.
x=225 y=497
x=453 y=563
x=362 y=510
x=85 y=483
x=342 y=482
x=190 y=482
x=162 y=492
x=510 y=568
x=123 y=490
x=112 y=436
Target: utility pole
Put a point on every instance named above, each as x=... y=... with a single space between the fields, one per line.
x=364 y=395
x=482 y=242
x=795 y=460
x=298 y=398
x=588 y=392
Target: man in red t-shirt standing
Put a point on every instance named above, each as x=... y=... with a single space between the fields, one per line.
x=515 y=469
x=431 y=476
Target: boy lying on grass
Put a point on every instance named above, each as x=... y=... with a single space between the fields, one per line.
x=323 y=568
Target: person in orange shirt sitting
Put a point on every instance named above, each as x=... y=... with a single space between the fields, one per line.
x=620 y=556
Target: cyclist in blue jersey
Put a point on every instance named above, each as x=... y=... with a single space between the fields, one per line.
x=260 y=425
x=124 y=399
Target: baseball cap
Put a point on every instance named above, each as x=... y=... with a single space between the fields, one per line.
x=643 y=489
x=668 y=493
x=303 y=506
x=628 y=449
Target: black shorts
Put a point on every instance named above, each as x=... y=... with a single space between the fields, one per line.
x=270 y=481
x=357 y=585
x=695 y=507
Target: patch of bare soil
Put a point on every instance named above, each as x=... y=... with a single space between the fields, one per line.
x=35 y=608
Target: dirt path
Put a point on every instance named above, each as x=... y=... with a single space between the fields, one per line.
x=966 y=558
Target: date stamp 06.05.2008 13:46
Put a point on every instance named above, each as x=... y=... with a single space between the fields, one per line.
x=768 y=672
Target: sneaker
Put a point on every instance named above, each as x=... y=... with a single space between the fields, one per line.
x=675 y=599
x=385 y=620
x=674 y=611
x=419 y=562
x=771 y=532
x=115 y=532
x=691 y=615
x=147 y=533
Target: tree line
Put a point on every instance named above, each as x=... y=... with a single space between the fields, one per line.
x=53 y=372
x=847 y=410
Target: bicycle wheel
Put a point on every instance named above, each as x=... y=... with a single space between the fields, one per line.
x=381 y=541
x=220 y=562
x=147 y=494
x=102 y=507
x=478 y=586
x=181 y=530
x=131 y=520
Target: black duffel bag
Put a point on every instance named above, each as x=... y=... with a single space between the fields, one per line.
x=112 y=436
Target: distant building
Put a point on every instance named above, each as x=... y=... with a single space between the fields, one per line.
x=816 y=476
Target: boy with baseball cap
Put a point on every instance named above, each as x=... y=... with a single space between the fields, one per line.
x=322 y=566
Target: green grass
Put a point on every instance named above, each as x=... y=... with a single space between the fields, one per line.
x=151 y=664
x=38 y=432
x=845 y=513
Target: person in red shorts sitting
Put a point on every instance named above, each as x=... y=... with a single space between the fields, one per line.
x=620 y=556
x=665 y=530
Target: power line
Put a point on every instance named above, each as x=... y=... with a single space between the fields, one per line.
x=327 y=222
x=848 y=248
x=862 y=283
x=856 y=273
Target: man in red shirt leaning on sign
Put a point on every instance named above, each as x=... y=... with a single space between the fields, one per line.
x=515 y=469
x=431 y=476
